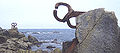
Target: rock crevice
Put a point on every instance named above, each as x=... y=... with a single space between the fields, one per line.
x=97 y=32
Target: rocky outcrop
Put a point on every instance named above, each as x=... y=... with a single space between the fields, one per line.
x=69 y=46
x=2 y=39
x=4 y=35
x=97 y=32
x=66 y=45
x=4 y=32
x=32 y=39
x=49 y=47
x=57 y=50
x=12 y=41
x=15 y=34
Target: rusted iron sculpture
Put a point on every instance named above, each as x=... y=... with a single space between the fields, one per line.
x=71 y=13
x=13 y=25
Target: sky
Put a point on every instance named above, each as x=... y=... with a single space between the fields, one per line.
x=38 y=14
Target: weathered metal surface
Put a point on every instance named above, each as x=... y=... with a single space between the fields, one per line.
x=14 y=24
x=71 y=13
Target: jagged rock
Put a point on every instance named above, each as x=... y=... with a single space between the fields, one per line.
x=69 y=46
x=2 y=50
x=2 y=39
x=12 y=41
x=44 y=52
x=15 y=44
x=49 y=47
x=8 y=46
x=24 y=39
x=97 y=32
x=35 y=33
x=15 y=34
x=57 y=50
x=23 y=45
x=4 y=32
x=54 y=41
x=39 y=51
x=119 y=31
x=32 y=39
x=0 y=28
x=21 y=35
x=66 y=45
x=6 y=51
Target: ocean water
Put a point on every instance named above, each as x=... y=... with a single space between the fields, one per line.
x=50 y=37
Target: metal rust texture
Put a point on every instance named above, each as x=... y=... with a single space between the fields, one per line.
x=14 y=24
x=73 y=45
x=71 y=13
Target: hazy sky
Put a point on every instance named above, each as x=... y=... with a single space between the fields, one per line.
x=38 y=14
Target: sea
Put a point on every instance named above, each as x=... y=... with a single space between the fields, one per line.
x=49 y=37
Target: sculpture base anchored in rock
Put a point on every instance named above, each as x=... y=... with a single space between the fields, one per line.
x=97 y=32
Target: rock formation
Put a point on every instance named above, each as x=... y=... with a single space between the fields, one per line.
x=97 y=32
x=32 y=39
x=15 y=34
x=57 y=50
x=12 y=40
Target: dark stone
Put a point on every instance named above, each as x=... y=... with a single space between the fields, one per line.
x=35 y=33
x=44 y=52
x=32 y=39
x=54 y=41
x=119 y=33
x=69 y=46
x=15 y=43
x=15 y=34
x=49 y=47
x=2 y=39
x=4 y=32
x=56 y=50
x=20 y=35
x=12 y=40
x=66 y=45
x=0 y=28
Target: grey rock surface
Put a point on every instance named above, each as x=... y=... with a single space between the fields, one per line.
x=32 y=39
x=97 y=32
x=57 y=50
x=3 y=39
x=15 y=34
x=12 y=41
x=4 y=32
x=66 y=45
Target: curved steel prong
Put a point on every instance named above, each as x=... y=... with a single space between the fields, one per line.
x=71 y=13
x=14 y=24
x=70 y=10
x=69 y=24
x=64 y=4
x=56 y=17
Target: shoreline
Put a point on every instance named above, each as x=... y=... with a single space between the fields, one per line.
x=16 y=41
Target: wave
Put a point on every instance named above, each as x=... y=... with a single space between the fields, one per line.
x=53 y=32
